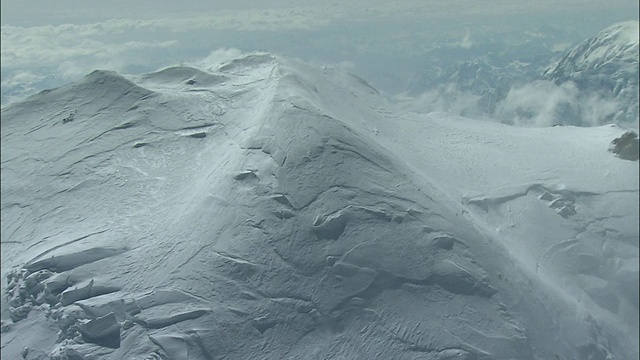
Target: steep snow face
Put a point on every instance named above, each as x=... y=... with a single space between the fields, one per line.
x=606 y=64
x=613 y=51
x=270 y=209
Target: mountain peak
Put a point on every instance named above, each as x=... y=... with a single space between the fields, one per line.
x=605 y=66
x=614 y=50
x=624 y=33
x=273 y=209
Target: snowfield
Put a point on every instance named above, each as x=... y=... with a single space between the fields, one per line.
x=268 y=209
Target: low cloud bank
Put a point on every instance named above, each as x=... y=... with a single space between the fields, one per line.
x=537 y=104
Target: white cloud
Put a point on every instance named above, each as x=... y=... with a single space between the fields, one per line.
x=537 y=104
x=21 y=78
x=117 y=43
x=217 y=58
x=118 y=35
x=596 y=109
x=48 y=45
x=445 y=98
x=544 y=103
x=466 y=42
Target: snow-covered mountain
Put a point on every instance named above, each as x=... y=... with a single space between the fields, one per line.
x=268 y=209
x=613 y=52
x=606 y=64
x=488 y=67
x=486 y=71
x=531 y=82
x=502 y=60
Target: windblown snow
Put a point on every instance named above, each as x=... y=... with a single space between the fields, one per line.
x=269 y=209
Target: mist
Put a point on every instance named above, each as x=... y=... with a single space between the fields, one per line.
x=387 y=45
x=538 y=104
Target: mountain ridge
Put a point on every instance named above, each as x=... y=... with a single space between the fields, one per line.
x=287 y=211
x=606 y=64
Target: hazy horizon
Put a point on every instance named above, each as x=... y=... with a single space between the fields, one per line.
x=48 y=44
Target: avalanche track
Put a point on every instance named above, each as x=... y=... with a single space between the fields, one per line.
x=268 y=209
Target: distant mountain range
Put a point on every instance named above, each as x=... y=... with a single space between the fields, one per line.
x=604 y=68
x=489 y=68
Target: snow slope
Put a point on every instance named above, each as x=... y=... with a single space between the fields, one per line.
x=270 y=209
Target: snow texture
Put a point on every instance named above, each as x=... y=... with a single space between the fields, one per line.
x=269 y=209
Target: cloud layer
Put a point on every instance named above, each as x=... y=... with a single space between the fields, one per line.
x=45 y=44
x=537 y=104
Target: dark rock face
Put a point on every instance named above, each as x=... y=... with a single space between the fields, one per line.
x=626 y=146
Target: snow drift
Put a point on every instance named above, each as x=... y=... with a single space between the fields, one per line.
x=270 y=209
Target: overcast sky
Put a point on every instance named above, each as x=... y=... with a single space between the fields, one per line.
x=55 y=12
x=48 y=42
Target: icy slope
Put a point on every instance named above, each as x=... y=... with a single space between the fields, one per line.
x=270 y=209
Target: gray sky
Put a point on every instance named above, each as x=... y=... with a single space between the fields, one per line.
x=45 y=12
